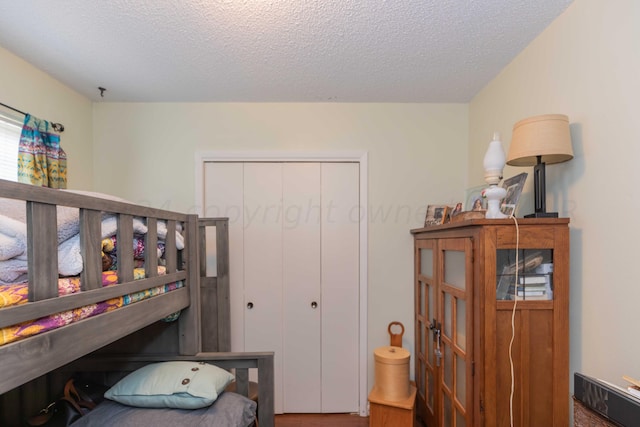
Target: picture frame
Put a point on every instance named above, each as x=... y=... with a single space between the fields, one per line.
x=508 y=209
x=474 y=200
x=514 y=187
x=436 y=215
x=455 y=210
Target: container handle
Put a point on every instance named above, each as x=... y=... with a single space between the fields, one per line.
x=396 y=339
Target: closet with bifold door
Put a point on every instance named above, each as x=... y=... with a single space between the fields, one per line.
x=294 y=274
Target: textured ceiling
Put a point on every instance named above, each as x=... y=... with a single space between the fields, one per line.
x=274 y=50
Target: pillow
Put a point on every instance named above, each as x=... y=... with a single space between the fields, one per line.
x=177 y=384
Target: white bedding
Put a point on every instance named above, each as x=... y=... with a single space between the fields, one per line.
x=13 y=238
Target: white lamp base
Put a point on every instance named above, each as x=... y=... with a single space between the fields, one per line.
x=494 y=195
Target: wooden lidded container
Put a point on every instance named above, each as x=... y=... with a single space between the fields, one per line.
x=392 y=373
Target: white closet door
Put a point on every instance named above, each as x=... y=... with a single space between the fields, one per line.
x=294 y=240
x=224 y=197
x=340 y=275
x=263 y=263
x=301 y=296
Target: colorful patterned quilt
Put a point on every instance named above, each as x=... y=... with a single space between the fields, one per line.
x=17 y=294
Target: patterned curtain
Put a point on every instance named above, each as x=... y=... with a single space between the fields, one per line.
x=41 y=160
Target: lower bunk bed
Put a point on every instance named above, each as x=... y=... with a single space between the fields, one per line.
x=145 y=307
x=229 y=408
x=154 y=390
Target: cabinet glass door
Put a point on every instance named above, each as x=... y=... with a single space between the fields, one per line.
x=425 y=309
x=454 y=339
x=531 y=281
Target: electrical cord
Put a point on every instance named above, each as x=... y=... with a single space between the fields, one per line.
x=513 y=321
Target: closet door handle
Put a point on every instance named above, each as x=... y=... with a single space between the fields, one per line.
x=249 y=305
x=314 y=304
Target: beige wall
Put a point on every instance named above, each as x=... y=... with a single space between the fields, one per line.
x=586 y=65
x=28 y=89
x=416 y=153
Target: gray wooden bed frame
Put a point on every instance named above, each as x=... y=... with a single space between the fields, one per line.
x=119 y=341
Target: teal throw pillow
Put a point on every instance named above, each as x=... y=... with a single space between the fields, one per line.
x=177 y=384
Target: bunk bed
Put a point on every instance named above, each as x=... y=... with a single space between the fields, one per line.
x=121 y=309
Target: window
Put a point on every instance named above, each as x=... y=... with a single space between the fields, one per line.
x=10 y=128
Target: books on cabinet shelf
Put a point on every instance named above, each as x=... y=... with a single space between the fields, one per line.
x=535 y=287
x=531 y=292
x=530 y=287
x=538 y=279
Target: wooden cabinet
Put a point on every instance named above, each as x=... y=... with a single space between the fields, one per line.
x=467 y=292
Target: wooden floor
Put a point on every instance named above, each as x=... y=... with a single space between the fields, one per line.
x=324 y=420
x=321 y=420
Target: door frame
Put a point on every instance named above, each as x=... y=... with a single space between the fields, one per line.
x=360 y=157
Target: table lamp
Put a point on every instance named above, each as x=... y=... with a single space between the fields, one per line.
x=493 y=163
x=537 y=141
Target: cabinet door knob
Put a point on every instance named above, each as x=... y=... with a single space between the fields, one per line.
x=249 y=305
x=314 y=304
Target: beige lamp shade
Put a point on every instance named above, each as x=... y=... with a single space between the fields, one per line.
x=547 y=136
